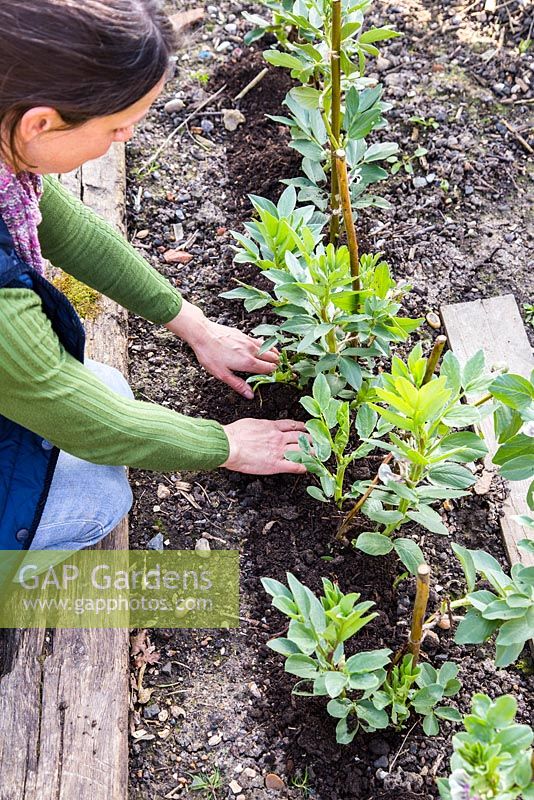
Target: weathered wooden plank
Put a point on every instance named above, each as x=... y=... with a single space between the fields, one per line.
x=495 y=326
x=64 y=693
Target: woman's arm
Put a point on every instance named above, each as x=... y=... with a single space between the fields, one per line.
x=48 y=391
x=79 y=242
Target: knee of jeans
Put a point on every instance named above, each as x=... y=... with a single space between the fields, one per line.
x=111 y=376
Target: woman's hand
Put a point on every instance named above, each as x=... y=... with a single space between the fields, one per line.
x=222 y=350
x=257 y=446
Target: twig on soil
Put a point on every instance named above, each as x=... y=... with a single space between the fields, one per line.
x=179 y=127
x=517 y=136
x=345 y=525
x=399 y=751
x=254 y=82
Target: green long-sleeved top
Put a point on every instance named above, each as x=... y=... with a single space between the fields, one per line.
x=45 y=389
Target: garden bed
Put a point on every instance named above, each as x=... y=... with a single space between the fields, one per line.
x=229 y=705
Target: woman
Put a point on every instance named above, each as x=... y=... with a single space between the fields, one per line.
x=76 y=78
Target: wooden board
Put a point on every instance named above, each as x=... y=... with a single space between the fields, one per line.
x=495 y=326
x=64 y=693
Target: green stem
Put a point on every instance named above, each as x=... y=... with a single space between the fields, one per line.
x=483 y=399
x=335 y=69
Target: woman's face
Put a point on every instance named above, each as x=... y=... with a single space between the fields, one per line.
x=43 y=144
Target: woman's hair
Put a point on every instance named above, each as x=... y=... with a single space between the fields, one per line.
x=84 y=58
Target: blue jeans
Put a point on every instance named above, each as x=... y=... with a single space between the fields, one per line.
x=86 y=501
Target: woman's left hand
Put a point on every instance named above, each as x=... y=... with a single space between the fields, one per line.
x=223 y=350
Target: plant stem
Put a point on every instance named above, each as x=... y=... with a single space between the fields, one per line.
x=419 y=610
x=346 y=204
x=434 y=357
x=483 y=399
x=345 y=525
x=335 y=71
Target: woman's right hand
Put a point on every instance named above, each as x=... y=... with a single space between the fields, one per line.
x=257 y=446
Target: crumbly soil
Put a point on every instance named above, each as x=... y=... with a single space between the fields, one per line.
x=230 y=704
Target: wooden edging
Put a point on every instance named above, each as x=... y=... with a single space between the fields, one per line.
x=63 y=692
x=495 y=326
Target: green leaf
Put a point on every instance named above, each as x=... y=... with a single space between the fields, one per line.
x=366 y=419
x=473 y=369
x=374 y=544
x=351 y=372
x=321 y=391
x=338 y=709
x=301 y=666
x=283 y=646
x=474 y=629
x=431 y=725
x=302 y=636
x=513 y=390
x=502 y=711
x=518 y=469
x=451 y=369
x=317 y=494
x=464 y=557
x=451 y=475
x=275 y=588
x=429 y=519
x=409 y=553
x=377 y=35
x=461 y=415
x=375 y=717
x=278 y=59
x=448 y=713
x=335 y=682
x=395 y=419
x=368 y=661
x=321 y=438
x=380 y=151
x=469 y=446
x=517 y=630
x=307 y=96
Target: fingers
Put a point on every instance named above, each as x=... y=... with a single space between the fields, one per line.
x=290 y=425
x=270 y=355
x=262 y=367
x=238 y=385
x=292 y=468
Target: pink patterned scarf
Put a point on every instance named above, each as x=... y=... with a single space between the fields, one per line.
x=19 y=208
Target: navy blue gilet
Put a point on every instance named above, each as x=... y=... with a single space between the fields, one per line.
x=27 y=461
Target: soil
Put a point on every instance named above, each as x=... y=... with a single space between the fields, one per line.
x=230 y=705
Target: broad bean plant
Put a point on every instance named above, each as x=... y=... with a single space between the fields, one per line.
x=420 y=420
x=323 y=317
x=506 y=609
x=366 y=691
x=341 y=310
x=492 y=758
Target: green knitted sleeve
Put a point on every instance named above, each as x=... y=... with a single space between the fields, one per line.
x=79 y=242
x=49 y=392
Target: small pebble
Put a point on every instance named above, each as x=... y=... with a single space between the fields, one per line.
x=419 y=183
x=433 y=320
x=156 y=543
x=273 y=781
x=202 y=545
x=176 y=104
x=234 y=787
x=207 y=125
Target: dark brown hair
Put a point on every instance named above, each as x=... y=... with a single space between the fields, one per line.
x=85 y=58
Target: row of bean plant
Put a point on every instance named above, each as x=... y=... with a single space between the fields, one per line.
x=338 y=317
